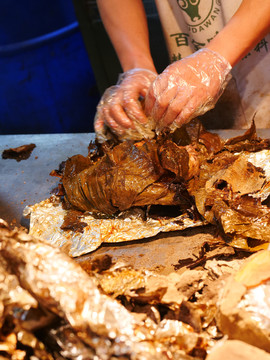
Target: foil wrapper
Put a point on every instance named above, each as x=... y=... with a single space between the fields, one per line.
x=47 y=217
x=255 y=275
x=86 y=322
x=260 y=159
x=244 y=308
x=10 y=291
x=256 y=302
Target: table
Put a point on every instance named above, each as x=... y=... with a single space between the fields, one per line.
x=28 y=182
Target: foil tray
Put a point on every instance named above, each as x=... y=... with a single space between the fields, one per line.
x=47 y=217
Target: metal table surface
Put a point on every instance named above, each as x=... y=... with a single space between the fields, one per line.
x=28 y=182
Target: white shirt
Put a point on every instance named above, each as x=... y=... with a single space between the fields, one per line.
x=189 y=25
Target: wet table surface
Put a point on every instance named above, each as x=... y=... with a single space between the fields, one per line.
x=28 y=182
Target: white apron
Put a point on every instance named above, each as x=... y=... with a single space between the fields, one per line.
x=189 y=25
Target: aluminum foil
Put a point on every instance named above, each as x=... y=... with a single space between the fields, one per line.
x=244 y=306
x=261 y=159
x=89 y=324
x=47 y=217
x=256 y=302
x=11 y=290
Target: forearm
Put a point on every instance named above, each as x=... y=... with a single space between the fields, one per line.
x=126 y=24
x=247 y=27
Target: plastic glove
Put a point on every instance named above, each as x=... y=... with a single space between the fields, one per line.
x=120 y=108
x=186 y=89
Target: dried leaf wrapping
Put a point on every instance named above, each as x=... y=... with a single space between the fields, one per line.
x=231 y=190
x=150 y=172
x=114 y=182
x=226 y=184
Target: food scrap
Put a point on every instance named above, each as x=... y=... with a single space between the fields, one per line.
x=19 y=153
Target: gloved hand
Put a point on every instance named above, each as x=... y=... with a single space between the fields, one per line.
x=121 y=110
x=186 y=89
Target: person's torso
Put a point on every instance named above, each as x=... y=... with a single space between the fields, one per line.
x=188 y=26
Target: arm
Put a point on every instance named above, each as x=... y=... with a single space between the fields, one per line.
x=120 y=107
x=126 y=24
x=246 y=28
x=190 y=87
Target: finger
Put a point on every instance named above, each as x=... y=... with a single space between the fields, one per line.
x=150 y=100
x=135 y=111
x=98 y=124
x=198 y=103
x=173 y=110
x=157 y=87
x=120 y=117
x=115 y=113
x=186 y=115
x=163 y=102
x=110 y=122
x=131 y=103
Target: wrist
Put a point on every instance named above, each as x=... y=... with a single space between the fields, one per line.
x=139 y=62
x=220 y=58
x=222 y=45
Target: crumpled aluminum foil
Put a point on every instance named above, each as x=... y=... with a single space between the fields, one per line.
x=256 y=302
x=244 y=307
x=47 y=217
x=91 y=324
x=261 y=159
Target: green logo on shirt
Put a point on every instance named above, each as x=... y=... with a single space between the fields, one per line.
x=191 y=7
x=199 y=15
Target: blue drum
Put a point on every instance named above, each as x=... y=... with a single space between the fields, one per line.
x=47 y=84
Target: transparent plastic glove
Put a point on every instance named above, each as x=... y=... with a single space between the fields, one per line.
x=120 y=108
x=186 y=89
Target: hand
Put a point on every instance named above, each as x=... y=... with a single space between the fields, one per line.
x=120 y=108
x=186 y=89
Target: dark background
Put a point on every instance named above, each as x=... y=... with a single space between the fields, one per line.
x=55 y=62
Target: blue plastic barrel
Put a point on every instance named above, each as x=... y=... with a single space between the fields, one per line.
x=46 y=81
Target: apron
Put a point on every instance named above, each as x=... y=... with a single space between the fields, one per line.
x=189 y=25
